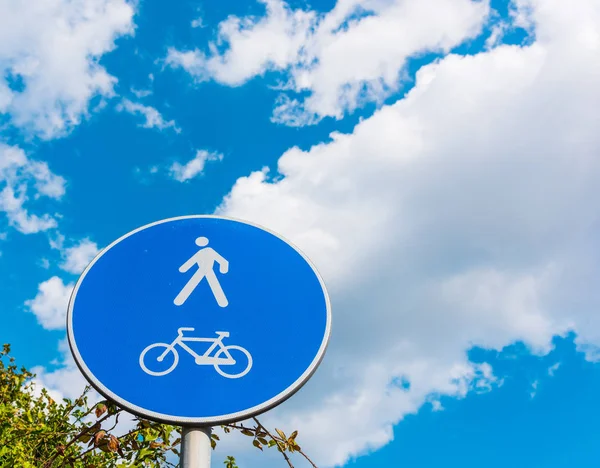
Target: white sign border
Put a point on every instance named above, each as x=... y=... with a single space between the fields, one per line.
x=207 y=421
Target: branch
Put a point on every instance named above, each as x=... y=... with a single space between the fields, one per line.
x=260 y=426
x=120 y=439
x=308 y=459
x=81 y=455
x=83 y=432
x=116 y=422
x=81 y=400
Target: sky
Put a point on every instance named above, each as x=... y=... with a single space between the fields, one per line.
x=436 y=159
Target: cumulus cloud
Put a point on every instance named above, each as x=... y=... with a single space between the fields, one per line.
x=194 y=167
x=77 y=257
x=21 y=179
x=50 y=303
x=64 y=382
x=52 y=298
x=352 y=55
x=463 y=214
x=152 y=118
x=49 y=59
x=254 y=45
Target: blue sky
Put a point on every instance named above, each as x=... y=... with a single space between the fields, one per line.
x=437 y=160
x=544 y=414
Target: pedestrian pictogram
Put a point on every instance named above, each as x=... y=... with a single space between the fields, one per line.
x=205 y=260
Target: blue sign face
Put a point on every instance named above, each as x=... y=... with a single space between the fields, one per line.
x=199 y=320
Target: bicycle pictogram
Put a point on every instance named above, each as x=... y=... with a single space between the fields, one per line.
x=221 y=358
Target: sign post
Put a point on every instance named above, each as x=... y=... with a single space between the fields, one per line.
x=195 y=447
x=195 y=316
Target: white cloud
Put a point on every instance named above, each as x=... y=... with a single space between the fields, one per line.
x=553 y=368
x=56 y=240
x=534 y=388
x=141 y=93
x=64 y=382
x=194 y=167
x=254 y=45
x=197 y=23
x=153 y=118
x=50 y=303
x=464 y=214
x=77 y=257
x=20 y=178
x=498 y=31
x=52 y=48
x=352 y=55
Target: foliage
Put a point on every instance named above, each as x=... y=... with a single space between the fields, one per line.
x=36 y=431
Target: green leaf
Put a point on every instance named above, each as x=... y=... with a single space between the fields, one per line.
x=35 y=429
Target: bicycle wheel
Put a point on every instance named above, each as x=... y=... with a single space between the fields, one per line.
x=244 y=354
x=154 y=359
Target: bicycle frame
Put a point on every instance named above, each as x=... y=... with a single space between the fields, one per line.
x=204 y=358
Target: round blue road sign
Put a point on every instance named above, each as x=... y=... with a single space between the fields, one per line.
x=199 y=320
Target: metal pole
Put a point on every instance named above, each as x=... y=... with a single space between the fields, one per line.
x=195 y=447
